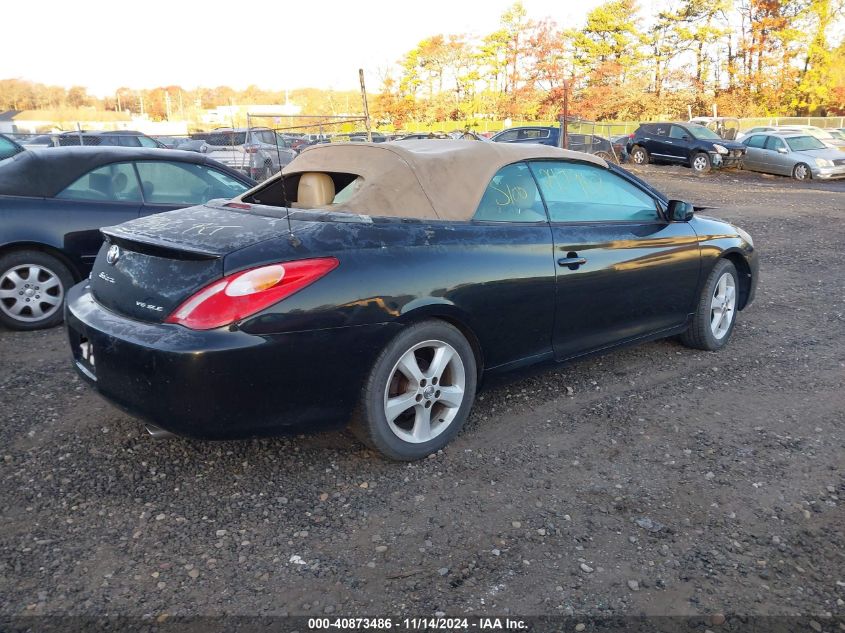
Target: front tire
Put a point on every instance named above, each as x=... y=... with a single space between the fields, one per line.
x=32 y=290
x=801 y=172
x=639 y=155
x=715 y=314
x=700 y=163
x=419 y=392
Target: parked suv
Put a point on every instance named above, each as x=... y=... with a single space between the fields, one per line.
x=256 y=152
x=550 y=135
x=686 y=143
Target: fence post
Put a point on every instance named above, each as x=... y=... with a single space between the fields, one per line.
x=366 y=107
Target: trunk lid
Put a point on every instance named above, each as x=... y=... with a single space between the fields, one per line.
x=148 y=266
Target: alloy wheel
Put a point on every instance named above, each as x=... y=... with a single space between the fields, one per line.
x=30 y=292
x=801 y=172
x=723 y=306
x=425 y=391
x=700 y=163
x=638 y=156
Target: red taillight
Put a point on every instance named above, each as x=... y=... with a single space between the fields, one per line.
x=251 y=149
x=243 y=294
x=631 y=135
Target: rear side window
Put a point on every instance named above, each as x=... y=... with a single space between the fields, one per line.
x=510 y=135
x=511 y=196
x=185 y=183
x=661 y=130
x=145 y=141
x=579 y=192
x=534 y=134
x=758 y=140
x=115 y=183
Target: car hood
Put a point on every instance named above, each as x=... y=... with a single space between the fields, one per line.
x=829 y=154
x=728 y=144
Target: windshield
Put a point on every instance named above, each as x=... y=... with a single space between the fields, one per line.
x=803 y=143
x=701 y=132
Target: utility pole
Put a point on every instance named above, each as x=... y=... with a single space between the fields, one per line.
x=366 y=108
x=563 y=126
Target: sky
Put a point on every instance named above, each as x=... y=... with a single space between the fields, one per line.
x=275 y=44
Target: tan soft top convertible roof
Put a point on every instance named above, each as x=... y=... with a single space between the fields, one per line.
x=435 y=178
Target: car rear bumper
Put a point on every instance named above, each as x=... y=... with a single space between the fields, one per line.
x=221 y=384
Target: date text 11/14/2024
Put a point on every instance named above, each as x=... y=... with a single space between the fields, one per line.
x=418 y=624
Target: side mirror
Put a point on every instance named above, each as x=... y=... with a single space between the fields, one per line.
x=680 y=211
x=685 y=137
x=782 y=150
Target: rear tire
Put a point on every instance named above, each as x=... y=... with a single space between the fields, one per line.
x=715 y=313
x=639 y=155
x=33 y=285
x=801 y=172
x=419 y=392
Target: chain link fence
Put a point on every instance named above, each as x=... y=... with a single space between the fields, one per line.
x=269 y=142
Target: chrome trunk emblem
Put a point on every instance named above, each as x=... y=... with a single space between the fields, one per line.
x=113 y=254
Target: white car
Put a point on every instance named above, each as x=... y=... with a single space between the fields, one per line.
x=825 y=136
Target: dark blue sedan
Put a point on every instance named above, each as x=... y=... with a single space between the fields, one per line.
x=54 y=201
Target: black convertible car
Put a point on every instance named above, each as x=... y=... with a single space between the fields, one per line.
x=381 y=283
x=54 y=201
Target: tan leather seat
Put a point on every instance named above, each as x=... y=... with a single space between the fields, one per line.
x=315 y=190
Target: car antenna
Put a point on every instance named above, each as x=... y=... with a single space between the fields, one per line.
x=293 y=239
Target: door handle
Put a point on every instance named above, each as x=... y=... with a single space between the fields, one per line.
x=572 y=261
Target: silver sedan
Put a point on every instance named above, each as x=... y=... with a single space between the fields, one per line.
x=795 y=154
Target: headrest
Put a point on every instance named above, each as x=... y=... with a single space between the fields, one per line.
x=99 y=182
x=119 y=182
x=315 y=190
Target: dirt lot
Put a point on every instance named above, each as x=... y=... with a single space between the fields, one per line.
x=656 y=480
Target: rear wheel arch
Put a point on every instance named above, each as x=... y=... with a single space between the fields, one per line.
x=453 y=317
x=71 y=265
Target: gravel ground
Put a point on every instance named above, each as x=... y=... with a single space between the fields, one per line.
x=652 y=480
